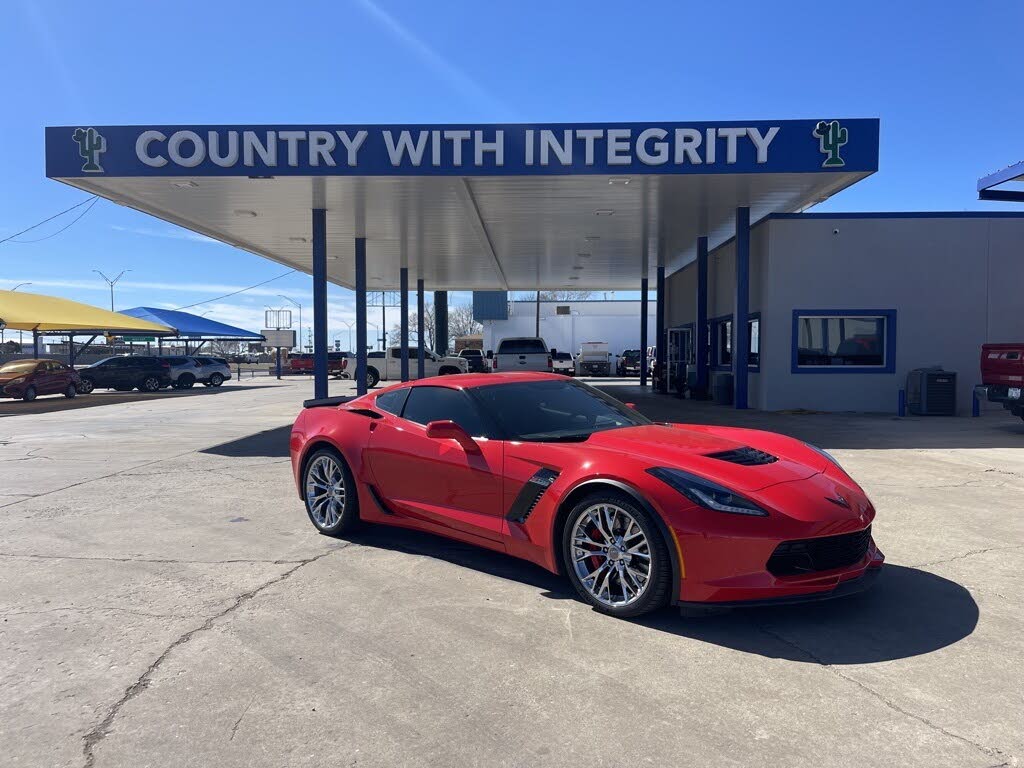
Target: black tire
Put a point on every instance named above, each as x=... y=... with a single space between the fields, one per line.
x=372 y=377
x=448 y=370
x=658 y=589
x=86 y=385
x=216 y=380
x=348 y=518
x=70 y=392
x=185 y=381
x=29 y=394
x=150 y=384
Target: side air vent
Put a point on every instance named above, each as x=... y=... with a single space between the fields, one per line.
x=529 y=496
x=746 y=456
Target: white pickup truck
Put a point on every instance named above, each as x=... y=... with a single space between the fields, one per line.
x=594 y=359
x=522 y=353
x=389 y=367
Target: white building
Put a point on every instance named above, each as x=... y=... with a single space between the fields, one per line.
x=564 y=325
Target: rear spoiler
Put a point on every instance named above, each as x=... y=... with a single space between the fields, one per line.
x=326 y=402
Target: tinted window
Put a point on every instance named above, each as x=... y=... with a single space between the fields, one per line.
x=522 y=347
x=562 y=356
x=553 y=410
x=834 y=341
x=393 y=401
x=471 y=353
x=427 y=404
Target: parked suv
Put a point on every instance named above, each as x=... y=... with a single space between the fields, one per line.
x=215 y=370
x=25 y=379
x=629 y=363
x=185 y=371
x=146 y=373
x=476 y=360
x=522 y=353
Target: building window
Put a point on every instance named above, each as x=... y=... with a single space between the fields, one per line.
x=563 y=309
x=844 y=341
x=720 y=341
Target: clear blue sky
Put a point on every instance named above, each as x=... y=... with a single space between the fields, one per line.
x=938 y=74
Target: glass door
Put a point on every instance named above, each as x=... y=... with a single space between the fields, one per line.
x=680 y=345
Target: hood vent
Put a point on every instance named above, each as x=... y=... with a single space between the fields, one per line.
x=748 y=457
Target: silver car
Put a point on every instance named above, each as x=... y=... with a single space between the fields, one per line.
x=214 y=370
x=185 y=371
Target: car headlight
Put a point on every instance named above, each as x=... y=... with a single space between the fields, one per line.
x=706 y=493
x=19 y=380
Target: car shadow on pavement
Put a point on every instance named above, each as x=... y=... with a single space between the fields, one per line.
x=270 y=442
x=908 y=612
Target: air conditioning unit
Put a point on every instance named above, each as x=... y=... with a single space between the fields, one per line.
x=931 y=392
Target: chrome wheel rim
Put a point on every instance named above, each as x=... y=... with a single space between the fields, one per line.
x=85 y=386
x=611 y=555
x=325 y=491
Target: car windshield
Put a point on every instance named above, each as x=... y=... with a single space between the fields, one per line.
x=553 y=411
x=631 y=353
x=19 y=366
x=471 y=353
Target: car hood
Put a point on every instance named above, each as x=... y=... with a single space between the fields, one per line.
x=704 y=451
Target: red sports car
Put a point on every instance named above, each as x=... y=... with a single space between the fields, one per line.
x=636 y=514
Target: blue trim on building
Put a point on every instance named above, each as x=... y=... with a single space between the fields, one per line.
x=890 y=341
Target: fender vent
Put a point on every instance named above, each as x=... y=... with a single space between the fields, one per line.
x=746 y=456
x=529 y=495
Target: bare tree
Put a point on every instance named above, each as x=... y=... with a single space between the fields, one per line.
x=555 y=296
x=460 y=323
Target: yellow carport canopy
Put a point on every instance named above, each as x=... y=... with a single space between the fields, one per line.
x=21 y=311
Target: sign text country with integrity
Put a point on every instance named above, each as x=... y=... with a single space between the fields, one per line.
x=423 y=148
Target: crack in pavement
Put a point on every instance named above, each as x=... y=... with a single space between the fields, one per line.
x=970 y=553
x=988 y=751
x=99 y=732
x=157 y=560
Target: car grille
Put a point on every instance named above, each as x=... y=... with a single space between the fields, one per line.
x=821 y=554
x=746 y=456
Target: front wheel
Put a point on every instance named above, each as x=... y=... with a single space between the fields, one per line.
x=372 y=377
x=149 y=384
x=29 y=395
x=70 y=392
x=86 y=385
x=615 y=556
x=330 y=493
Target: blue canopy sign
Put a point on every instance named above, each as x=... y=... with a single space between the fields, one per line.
x=784 y=146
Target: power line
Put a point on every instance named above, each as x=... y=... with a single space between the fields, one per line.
x=241 y=290
x=92 y=199
x=54 y=234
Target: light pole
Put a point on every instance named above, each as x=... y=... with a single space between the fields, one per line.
x=349 y=326
x=376 y=328
x=112 y=283
x=19 y=285
x=281 y=295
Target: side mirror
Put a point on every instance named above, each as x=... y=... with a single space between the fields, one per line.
x=490 y=354
x=449 y=430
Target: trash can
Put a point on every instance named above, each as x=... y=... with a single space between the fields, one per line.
x=723 y=389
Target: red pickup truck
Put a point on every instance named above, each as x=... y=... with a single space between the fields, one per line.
x=1002 y=375
x=302 y=362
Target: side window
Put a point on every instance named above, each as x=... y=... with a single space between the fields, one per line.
x=427 y=404
x=393 y=401
x=395 y=353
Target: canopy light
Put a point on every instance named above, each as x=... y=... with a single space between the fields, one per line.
x=298 y=239
x=184 y=184
x=250 y=214
x=604 y=212
x=619 y=180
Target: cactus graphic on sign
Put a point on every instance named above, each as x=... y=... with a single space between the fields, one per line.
x=831 y=136
x=90 y=146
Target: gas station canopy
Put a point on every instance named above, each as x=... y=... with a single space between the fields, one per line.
x=464 y=207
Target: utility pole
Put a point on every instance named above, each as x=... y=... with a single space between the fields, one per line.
x=537 y=332
x=111 y=283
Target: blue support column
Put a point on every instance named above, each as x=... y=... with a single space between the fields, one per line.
x=361 y=316
x=661 y=337
x=700 y=332
x=441 y=322
x=319 y=303
x=403 y=286
x=643 y=332
x=421 y=312
x=741 y=313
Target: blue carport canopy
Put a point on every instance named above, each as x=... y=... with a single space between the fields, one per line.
x=1006 y=185
x=192 y=326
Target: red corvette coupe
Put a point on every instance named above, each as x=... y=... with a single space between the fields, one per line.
x=636 y=514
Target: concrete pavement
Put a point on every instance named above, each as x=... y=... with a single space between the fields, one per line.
x=166 y=602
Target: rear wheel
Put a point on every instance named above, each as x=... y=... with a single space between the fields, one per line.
x=149 y=384
x=448 y=371
x=330 y=493
x=372 y=377
x=216 y=380
x=86 y=385
x=30 y=394
x=615 y=555
x=70 y=391
x=185 y=381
